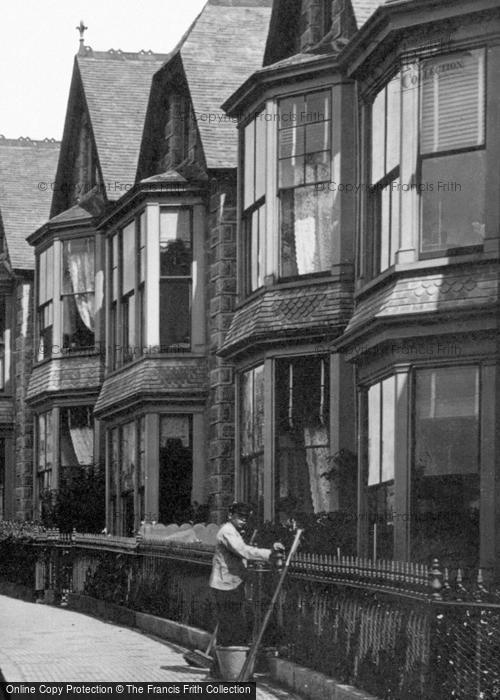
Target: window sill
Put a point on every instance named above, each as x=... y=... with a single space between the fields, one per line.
x=318 y=279
x=189 y=355
x=426 y=264
x=69 y=355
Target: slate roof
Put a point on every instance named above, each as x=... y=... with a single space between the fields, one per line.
x=24 y=203
x=71 y=374
x=175 y=379
x=116 y=86
x=223 y=47
x=321 y=310
x=449 y=291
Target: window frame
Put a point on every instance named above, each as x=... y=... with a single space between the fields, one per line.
x=282 y=191
x=449 y=152
x=165 y=280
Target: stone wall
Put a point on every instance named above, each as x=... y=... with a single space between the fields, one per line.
x=222 y=297
x=23 y=362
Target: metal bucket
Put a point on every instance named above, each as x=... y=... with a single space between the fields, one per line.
x=231 y=660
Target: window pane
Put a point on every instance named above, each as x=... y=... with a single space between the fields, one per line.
x=453 y=199
x=128 y=456
x=318 y=106
x=378 y=137
x=302 y=436
x=76 y=439
x=318 y=137
x=114 y=264
x=445 y=478
x=290 y=111
x=78 y=266
x=175 y=242
x=175 y=315
x=175 y=469
x=393 y=124
x=42 y=277
x=291 y=172
x=128 y=258
x=291 y=142
x=306 y=230
x=142 y=247
x=318 y=167
x=260 y=156
x=249 y=165
x=388 y=427
x=258 y=414
x=256 y=227
x=447 y=421
x=452 y=101
x=246 y=414
x=78 y=321
x=374 y=424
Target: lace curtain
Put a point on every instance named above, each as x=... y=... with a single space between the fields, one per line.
x=80 y=267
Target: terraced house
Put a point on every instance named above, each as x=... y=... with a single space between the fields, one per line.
x=366 y=319
x=292 y=301
x=136 y=275
x=27 y=170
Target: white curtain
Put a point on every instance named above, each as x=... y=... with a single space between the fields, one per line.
x=81 y=271
x=317 y=464
x=83 y=444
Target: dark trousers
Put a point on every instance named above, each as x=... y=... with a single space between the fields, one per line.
x=230 y=608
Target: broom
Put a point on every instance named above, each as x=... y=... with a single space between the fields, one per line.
x=202 y=659
x=247 y=669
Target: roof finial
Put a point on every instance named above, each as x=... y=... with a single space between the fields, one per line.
x=81 y=28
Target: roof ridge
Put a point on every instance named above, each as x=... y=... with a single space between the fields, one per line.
x=27 y=141
x=118 y=54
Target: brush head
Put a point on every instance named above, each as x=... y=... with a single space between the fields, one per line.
x=198 y=658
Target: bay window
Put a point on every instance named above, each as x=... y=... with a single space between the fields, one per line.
x=384 y=178
x=452 y=152
x=176 y=257
x=45 y=306
x=302 y=436
x=77 y=298
x=304 y=163
x=252 y=437
x=254 y=202
x=445 y=478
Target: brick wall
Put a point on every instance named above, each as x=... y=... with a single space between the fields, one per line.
x=222 y=296
x=23 y=360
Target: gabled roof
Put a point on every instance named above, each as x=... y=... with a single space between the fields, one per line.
x=223 y=46
x=27 y=173
x=363 y=9
x=116 y=87
x=285 y=25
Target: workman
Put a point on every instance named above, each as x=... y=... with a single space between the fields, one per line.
x=228 y=574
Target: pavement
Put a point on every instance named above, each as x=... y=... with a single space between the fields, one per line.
x=42 y=643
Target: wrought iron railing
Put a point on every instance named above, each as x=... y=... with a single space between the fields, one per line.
x=395 y=629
